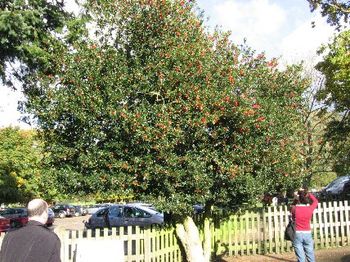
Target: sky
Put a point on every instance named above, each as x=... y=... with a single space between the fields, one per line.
x=279 y=28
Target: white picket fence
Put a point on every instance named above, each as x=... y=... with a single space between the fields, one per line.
x=135 y=244
x=250 y=233
x=132 y=244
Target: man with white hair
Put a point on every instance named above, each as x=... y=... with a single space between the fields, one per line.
x=33 y=242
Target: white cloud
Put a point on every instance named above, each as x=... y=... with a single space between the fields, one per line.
x=303 y=42
x=260 y=21
x=276 y=27
x=8 y=108
x=72 y=6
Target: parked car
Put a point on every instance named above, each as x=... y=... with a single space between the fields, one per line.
x=5 y=224
x=18 y=216
x=124 y=215
x=198 y=209
x=94 y=208
x=339 y=188
x=51 y=217
x=80 y=211
x=63 y=210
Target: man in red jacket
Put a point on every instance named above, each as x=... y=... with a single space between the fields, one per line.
x=303 y=243
x=33 y=242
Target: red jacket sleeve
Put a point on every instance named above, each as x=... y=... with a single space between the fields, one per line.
x=314 y=201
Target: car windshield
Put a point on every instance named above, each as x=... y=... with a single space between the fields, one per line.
x=151 y=211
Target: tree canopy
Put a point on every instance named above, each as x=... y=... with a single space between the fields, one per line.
x=153 y=105
x=336 y=11
x=20 y=157
x=336 y=94
x=157 y=107
x=28 y=32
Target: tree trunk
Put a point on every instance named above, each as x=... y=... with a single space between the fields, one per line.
x=189 y=236
x=207 y=240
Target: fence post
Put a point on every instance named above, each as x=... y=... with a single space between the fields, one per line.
x=336 y=223
x=325 y=221
x=246 y=231
x=276 y=230
x=342 y=224
x=253 y=232
x=260 y=227
x=282 y=226
x=63 y=236
x=347 y=231
x=2 y=235
x=265 y=238
x=147 y=244
x=235 y=237
x=331 y=222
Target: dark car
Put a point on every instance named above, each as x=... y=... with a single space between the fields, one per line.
x=51 y=217
x=198 y=209
x=18 y=216
x=63 y=210
x=124 y=215
x=5 y=224
x=80 y=211
x=338 y=189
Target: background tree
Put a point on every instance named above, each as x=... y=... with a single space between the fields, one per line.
x=156 y=107
x=336 y=11
x=20 y=157
x=336 y=95
x=316 y=149
x=28 y=31
x=336 y=91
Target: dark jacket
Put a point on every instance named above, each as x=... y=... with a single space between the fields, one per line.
x=32 y=243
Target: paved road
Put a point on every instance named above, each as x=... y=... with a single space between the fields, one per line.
x=73 y=223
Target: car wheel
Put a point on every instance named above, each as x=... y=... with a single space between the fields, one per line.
x=62 y=214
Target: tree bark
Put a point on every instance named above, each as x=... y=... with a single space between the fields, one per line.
x=207 y=240
x=189 y=236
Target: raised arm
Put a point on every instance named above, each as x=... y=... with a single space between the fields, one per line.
x=314 y=201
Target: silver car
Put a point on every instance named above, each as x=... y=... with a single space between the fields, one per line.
x=124 y=215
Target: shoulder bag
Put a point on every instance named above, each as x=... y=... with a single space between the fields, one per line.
x=289 y=233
